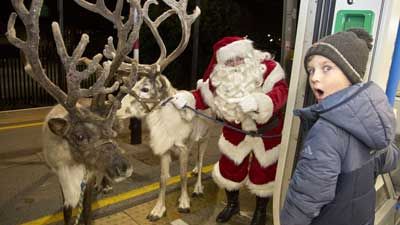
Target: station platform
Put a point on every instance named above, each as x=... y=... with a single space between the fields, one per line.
x=203 y=210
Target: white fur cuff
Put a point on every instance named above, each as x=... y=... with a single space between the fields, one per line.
x=276 y=75
x=224 y=183
x=267 y=157
x=205 y=92
x=261 y=190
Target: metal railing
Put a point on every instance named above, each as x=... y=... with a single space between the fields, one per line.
x=18 y=90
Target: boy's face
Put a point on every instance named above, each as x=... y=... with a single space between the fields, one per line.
x=325 y=77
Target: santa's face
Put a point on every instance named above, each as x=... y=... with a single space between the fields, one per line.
x=234 y=62
x=234 y=79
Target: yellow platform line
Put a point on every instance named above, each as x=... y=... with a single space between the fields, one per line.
x=114 y=199
x=21 y=126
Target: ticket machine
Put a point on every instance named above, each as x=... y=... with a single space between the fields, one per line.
x=316 y=20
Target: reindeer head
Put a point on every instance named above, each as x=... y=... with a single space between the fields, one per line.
x=91 y=145
x=145 y=96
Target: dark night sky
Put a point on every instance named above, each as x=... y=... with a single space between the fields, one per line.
x=265 y=15
x=255 y=18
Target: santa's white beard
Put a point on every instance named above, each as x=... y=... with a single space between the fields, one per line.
x=232 y=84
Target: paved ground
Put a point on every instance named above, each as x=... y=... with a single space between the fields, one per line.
x=203 y=210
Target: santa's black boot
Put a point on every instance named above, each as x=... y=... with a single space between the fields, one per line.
x=232 y=206
x=260 y=213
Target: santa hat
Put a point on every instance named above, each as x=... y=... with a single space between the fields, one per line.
x=228 y=48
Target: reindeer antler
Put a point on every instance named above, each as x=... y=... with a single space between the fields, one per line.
x=127 y=33
x=30 y=47
x=178 y=8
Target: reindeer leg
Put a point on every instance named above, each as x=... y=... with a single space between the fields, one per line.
x=67 y=211
x=106 y=185
x=160 y=209
x=198 y=187
x=192 y=145
x=70 y=178
x=184 y=200
x=87 y=202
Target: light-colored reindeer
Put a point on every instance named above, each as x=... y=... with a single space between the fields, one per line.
x=172 y=131
x=78 y=137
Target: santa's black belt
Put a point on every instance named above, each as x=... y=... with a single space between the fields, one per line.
x=272 y=123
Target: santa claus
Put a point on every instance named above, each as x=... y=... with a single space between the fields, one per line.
x=247 y=89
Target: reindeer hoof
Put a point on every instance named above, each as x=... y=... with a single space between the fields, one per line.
x=153 y=218
x=184 y=210
x=194 y=173
x=107 y=189
x=197 y=195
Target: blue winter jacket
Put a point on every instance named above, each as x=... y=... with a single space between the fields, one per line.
x=333 y=183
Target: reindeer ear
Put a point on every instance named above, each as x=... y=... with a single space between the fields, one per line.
x=58 y=126
x=162 y=82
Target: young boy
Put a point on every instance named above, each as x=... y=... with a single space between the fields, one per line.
x=333 y=182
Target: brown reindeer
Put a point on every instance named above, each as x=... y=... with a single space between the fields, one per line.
x=78 y=137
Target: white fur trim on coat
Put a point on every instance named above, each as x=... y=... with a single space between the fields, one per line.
x=276 y=75
x=238 y=152
x=240 y=48
x=263 y=190
x=224 y=183
x=265 y=108
x=206 y=94
x=267 y=157
x=262 y=55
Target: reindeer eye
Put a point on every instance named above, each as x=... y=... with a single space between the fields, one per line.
x=80 y=137
x=145 y=89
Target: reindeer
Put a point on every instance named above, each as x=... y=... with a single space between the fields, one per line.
x=171 y=131
x=78 y=136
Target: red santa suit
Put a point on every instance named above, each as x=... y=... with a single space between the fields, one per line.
x=245 y=159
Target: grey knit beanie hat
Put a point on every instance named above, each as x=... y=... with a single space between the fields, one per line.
x=349 y=50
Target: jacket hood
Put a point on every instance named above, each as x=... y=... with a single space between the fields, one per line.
x=362 y=110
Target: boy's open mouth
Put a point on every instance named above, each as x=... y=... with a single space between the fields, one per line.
x=319 y=93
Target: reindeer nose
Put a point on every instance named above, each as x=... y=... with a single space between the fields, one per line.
x=145 y=89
